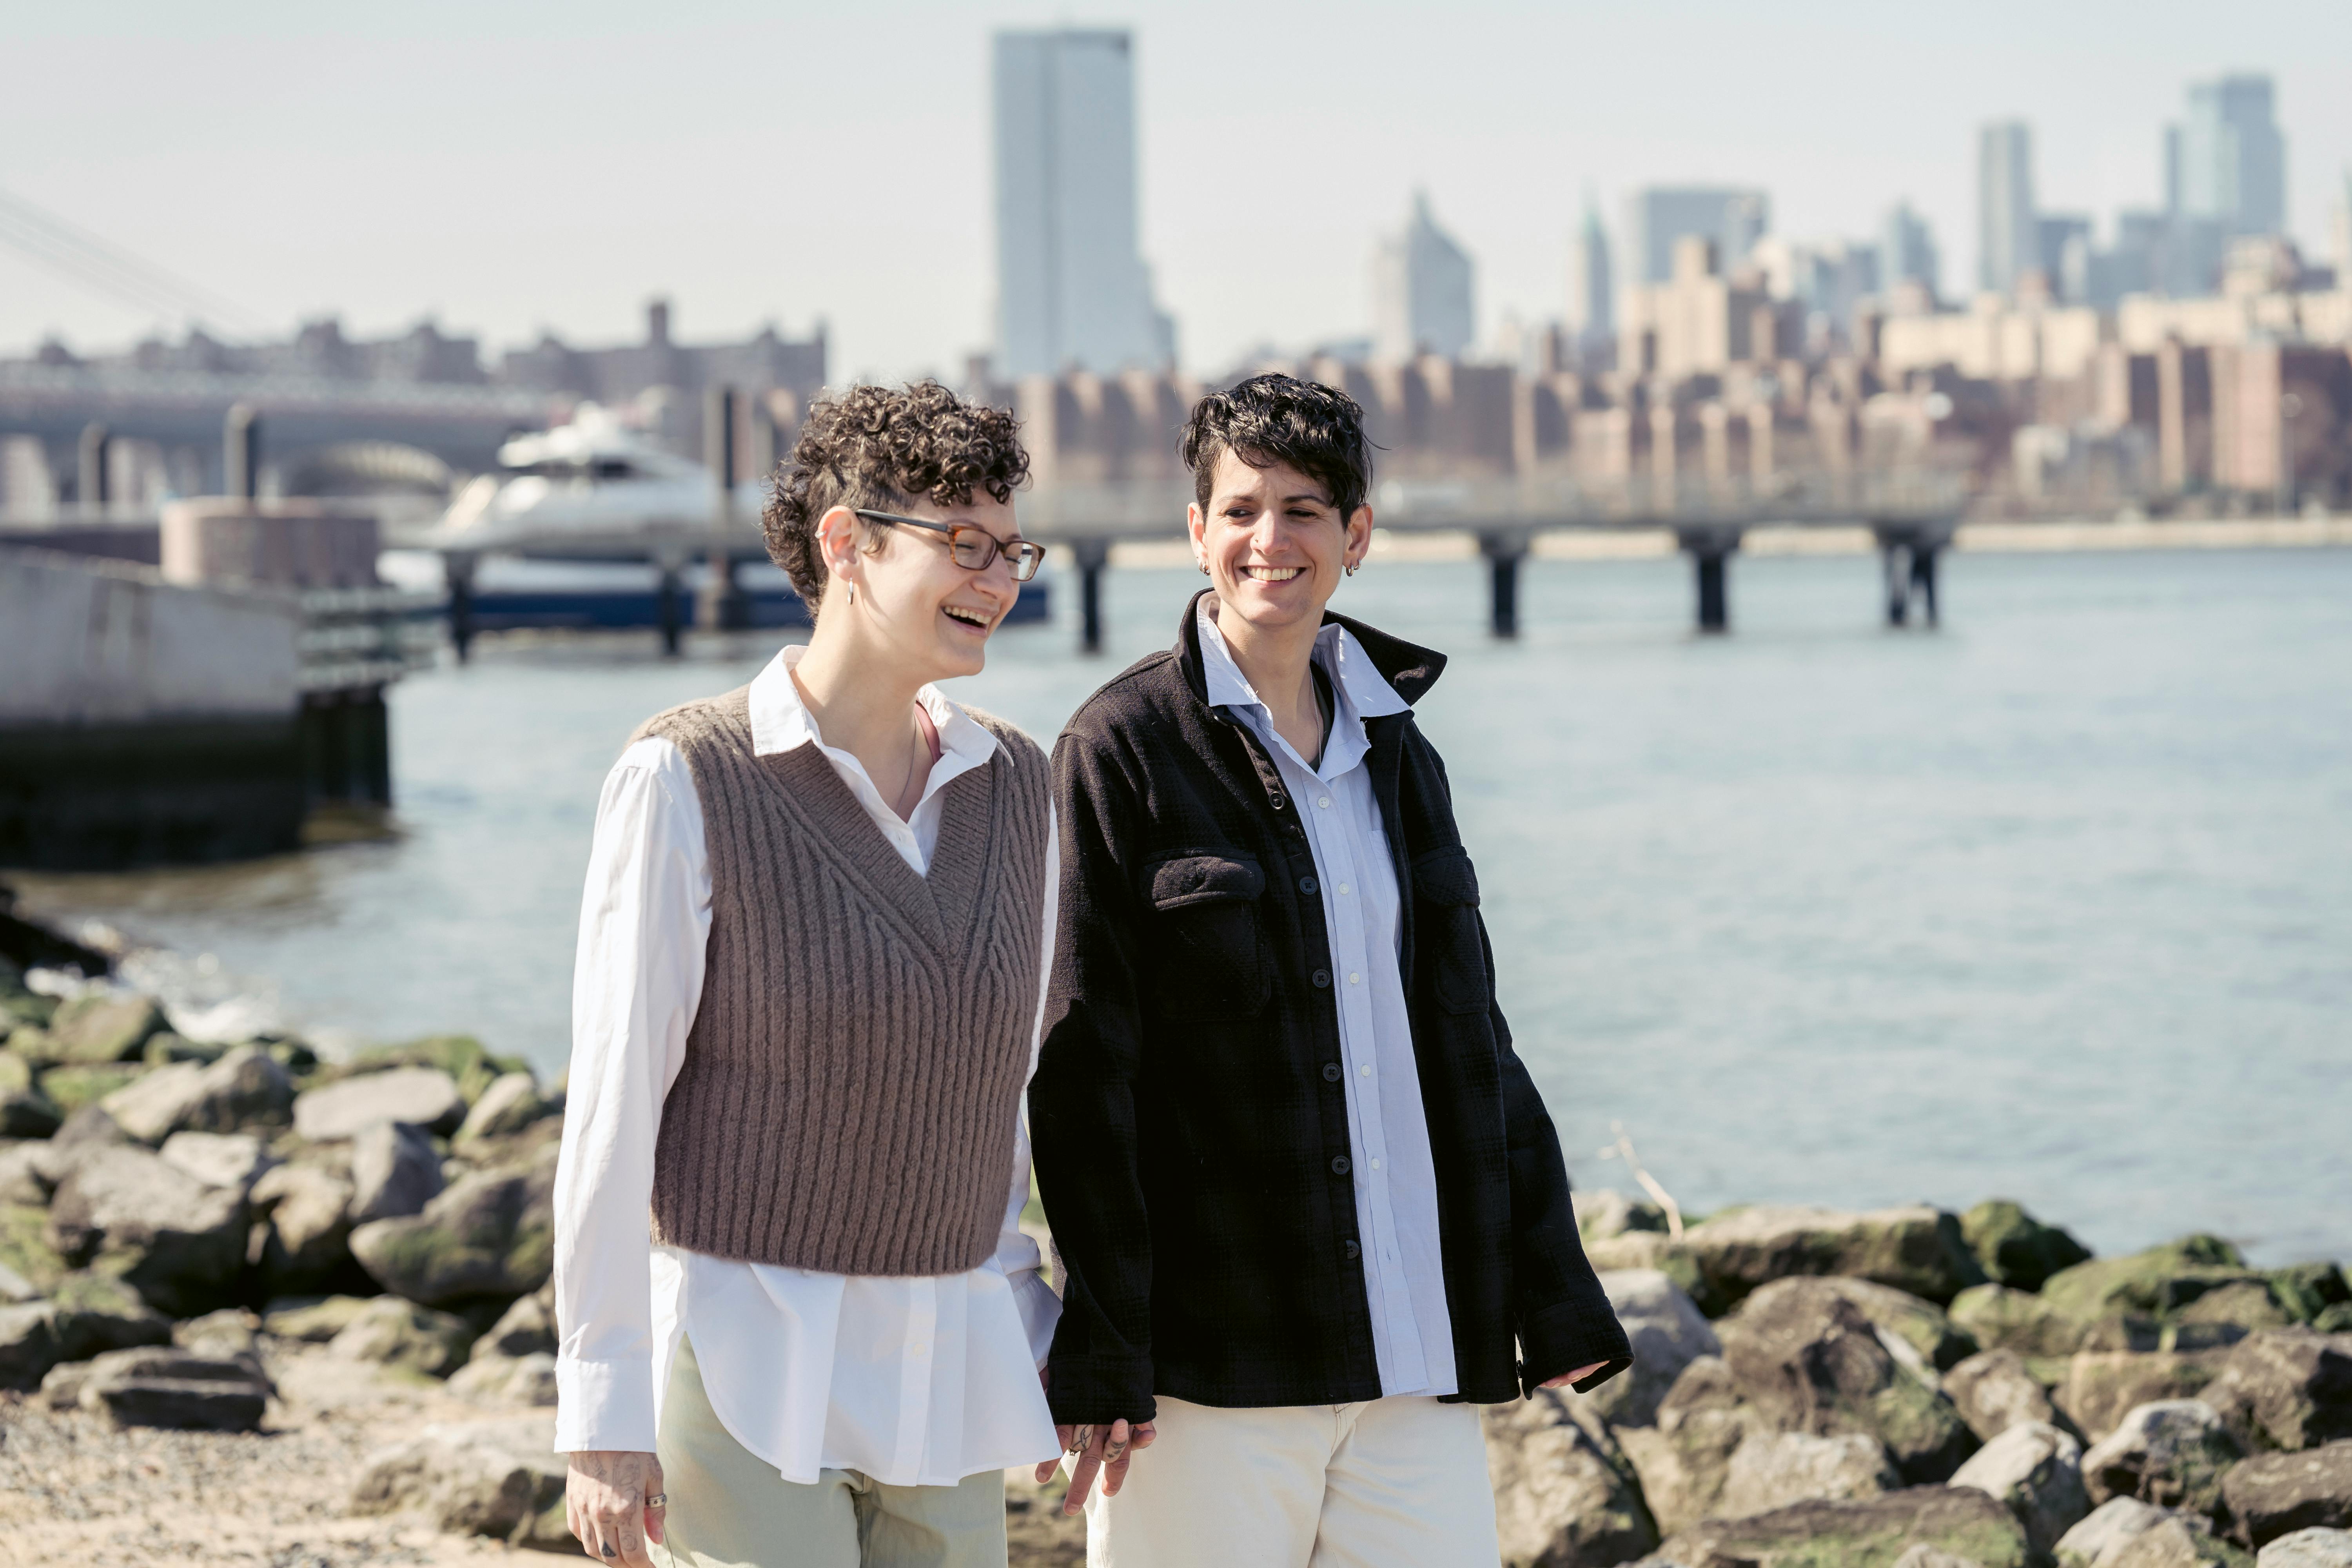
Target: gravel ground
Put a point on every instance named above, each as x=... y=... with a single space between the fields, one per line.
x=75 y=1488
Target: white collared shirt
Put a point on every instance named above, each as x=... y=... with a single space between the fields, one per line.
x=1395 y=1176
x=912 y=1381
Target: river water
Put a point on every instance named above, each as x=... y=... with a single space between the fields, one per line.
x=2054 y=904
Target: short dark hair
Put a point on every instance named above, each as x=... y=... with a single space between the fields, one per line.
x=1274 y=418
x=882 y=448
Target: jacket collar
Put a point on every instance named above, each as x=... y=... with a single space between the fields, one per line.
x=1410 y=670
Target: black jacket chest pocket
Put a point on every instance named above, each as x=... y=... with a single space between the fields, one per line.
x=1212 y=961
x=1445 y=886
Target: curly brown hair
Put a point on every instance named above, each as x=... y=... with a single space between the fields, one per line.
x=883 y=448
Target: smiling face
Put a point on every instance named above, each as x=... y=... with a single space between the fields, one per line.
x=915 y=607
x=1275 y=545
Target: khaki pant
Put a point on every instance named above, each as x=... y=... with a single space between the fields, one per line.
x=1386 y=1483
x=728 y=1508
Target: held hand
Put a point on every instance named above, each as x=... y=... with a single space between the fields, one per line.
x=1093 y=1448
x=614 y=1502
x=1564 y=1378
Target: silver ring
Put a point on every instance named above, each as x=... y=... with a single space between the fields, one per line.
x=659 y=1500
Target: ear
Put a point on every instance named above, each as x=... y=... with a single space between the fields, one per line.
x=1360 y=536
x=1194 y=523
x=836 y=542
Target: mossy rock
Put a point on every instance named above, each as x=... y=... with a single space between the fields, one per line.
x=1652 y=1249
x=99 y=1028
x=33 y=1044
x=2159 y=1282
x=2004 y=1319
x=21 y=1006
x=15 y=1073
x=2336 y=1319
x=315 y=1321
x=2309 y=1290
x=25 y=1247
x=462 y=1057
x=405 y=1337
x=2016 y=1249
x=164 y=1049
x=73 y=1087
x=1864 y=1533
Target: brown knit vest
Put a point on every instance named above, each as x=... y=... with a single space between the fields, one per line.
x=852 y=1078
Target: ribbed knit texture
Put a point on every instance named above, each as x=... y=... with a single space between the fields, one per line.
x=854 y=1075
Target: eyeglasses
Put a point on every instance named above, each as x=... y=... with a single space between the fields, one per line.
x=973 y=548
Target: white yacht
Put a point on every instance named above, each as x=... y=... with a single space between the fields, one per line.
x=594 y=489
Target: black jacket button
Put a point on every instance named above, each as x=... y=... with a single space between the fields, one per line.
x=1322 y=979
x=1350 y=1251
x=1277 y=802
x=1338 y=1164
x=1331 y=1072
x=1307 y=884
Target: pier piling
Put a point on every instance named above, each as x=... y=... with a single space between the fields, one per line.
x=91 y=490
x=1093 y=555
x=1908 y=560
x=241 y=452
x=1710 y=549
x=1504 y=551
x=721 y=606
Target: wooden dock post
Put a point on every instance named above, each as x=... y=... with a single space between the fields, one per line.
x=1093 y=555
x=1504 y=551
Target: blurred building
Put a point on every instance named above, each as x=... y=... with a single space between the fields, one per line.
x=1422 y=290
x=1072 y=289
x=1906 y=251
x=762 y=362
x=1655 y=219
x=2009 y=238
x=1592 y=298
x=2231 y=160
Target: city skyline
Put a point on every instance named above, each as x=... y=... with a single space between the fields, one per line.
x=570 y=219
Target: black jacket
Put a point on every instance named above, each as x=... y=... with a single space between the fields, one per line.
x=1189 y=1114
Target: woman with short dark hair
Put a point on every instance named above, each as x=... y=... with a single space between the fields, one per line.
x=805 y=1004
x=1308 y=1202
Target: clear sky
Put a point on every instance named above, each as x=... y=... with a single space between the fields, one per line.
x=506 y=167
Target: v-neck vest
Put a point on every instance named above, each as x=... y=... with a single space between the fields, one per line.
x=852 y=1083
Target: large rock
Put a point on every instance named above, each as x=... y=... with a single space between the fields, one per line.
x=2310 y=1288
x=2001 y=1319
x=518 y=1382
x=170 y=1387
x=229 y=1334
x=219 y=1159
x=2158 y=1281
x=245 y=1089
x=1807 y=1360
x=502 y=1480
x=462 y=1057
x=98 y=1027
x=1926 y=1556
x=2016 y=1249
x=2272 y=1495
x=421 y=1096
x=1866 y=1533
x=526 y=1327
x=395 y=1171
x=303 y=1229
x=396 y=1333
x=2177 y=1542
x=2035 y=1471
x=178 y=1242
x=1914 y=1249
x=1668 y=1332
x=80 y=1086
x=1604 y=1212
x=509 y=1104
x=1993 y=1391
x=2288 y=1388
x=1684 y=1459
x=1911 y=1321
x=2308 y=1548
x=2107 y=1529
x=2102 y=1386
x=96 y=1313
x=492 y=1233
x=2171 y=1453
x=316 y=1322
x=24 y=1248
x=1774 y=1470
x=25 y=1111
x=1562 y=1492
x=23 y=1178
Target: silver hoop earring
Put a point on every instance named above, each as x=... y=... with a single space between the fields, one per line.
x=853 y=593
x=1204 y=568
x=1351 y=567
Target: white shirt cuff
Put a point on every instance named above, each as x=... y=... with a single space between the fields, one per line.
x=1040 y=1309
x=604 y=1405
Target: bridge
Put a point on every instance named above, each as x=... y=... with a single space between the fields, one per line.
x=1911 y=513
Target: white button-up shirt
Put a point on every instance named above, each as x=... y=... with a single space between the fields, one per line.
x=1395 y=1176
x=912 y=1381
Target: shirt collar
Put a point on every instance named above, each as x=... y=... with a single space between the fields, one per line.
x=780 y=721
x=1359 y=691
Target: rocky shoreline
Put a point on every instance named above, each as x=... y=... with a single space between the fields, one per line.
x=261 y=1306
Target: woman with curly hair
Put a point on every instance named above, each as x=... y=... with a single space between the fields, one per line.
x=811 y=949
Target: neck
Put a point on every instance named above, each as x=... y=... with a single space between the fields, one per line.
x=861 y=699
x=1278 y=664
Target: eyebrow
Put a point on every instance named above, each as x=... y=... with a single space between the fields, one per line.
x=1317 y=496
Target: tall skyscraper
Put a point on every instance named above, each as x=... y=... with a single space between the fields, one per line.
x=1907 y=250
x=1734 y=218
x=1071 y=285
x=1422 y=290
x=1591 y=299
x=2233 y=160
x=2009 y=240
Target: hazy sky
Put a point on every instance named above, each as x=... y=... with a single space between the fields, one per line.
x=506 y=167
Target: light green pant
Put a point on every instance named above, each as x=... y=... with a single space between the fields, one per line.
x=728 y=1508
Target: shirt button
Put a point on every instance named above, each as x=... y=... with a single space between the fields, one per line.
x=1307 y=884
x=1350 y=1250
x=1368 y=1069
x=1376 y=1164
x=1354 y=979
x=1322 y=800
x=1321 y=978
x=1343 y=888
x=1331 y=1072
x=1338 y=1164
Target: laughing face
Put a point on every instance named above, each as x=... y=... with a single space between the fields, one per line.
x=1275 y=545
x=913 y=600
